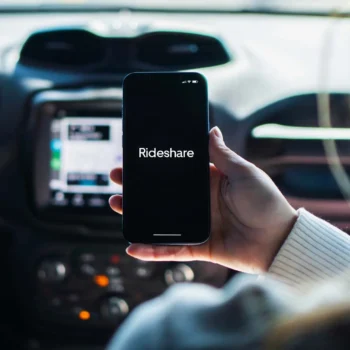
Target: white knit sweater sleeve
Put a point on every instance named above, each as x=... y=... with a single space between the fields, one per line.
x=314 y=251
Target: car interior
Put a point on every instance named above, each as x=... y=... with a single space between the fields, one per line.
x=67 y=281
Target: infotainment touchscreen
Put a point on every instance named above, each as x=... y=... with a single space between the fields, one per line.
x=83 y=151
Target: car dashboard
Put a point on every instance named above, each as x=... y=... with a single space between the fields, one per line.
x=71 y=283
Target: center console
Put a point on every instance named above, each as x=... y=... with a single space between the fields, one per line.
x=78 y=291
x=99 y=286
x=71 y=256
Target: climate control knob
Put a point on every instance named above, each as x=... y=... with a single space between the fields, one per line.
x=52 y=271
x=114 y=308
x=179 y=273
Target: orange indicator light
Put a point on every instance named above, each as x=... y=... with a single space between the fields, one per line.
x=101 y=280
x=84 y=315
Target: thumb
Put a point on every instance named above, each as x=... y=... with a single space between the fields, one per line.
x=224 y=159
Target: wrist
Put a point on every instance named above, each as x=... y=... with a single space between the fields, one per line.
x=280 y=236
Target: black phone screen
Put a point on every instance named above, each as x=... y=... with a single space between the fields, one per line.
x=166 y=189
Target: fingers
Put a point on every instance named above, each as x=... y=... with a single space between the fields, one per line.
x=116 y=176
x=116 y=203
x=227 y=161
x=167 y=253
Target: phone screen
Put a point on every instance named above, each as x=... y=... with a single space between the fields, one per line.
x=166 y=195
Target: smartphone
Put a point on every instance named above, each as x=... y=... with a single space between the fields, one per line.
x=166 y=180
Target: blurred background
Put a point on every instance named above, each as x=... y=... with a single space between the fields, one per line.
x=278 y=75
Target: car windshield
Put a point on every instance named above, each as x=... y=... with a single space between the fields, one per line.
x=307 y=6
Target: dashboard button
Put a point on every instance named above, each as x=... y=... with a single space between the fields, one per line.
x=144 y=269
x=60 y=199
x=97 y=202
x=179 y=273
x=52 y=271
x=114 y=308
x=88 y=269
x=113 y=271
x=78 y=200
x=116 y=285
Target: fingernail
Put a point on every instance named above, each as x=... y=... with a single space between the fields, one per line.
x=217 y=132
x=127 y=250
x=138 y=248
x=110 y=200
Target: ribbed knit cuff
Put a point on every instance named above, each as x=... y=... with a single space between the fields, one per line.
x=314 y=251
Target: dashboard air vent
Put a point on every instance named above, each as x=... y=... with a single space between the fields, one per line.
x=289 y=146
x=65 y=48
x=176 y=50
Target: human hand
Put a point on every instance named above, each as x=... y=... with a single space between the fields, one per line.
x=250 y=218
